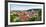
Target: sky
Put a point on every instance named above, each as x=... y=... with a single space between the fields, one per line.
x=25 y=6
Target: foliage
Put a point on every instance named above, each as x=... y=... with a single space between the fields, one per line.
x=12 y=17
x=15 y=17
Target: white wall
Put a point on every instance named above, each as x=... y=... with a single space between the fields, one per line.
x=2 y=14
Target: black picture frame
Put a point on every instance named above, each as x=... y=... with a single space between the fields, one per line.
x=6 y=12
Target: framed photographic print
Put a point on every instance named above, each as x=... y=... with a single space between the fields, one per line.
x=24 y=13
